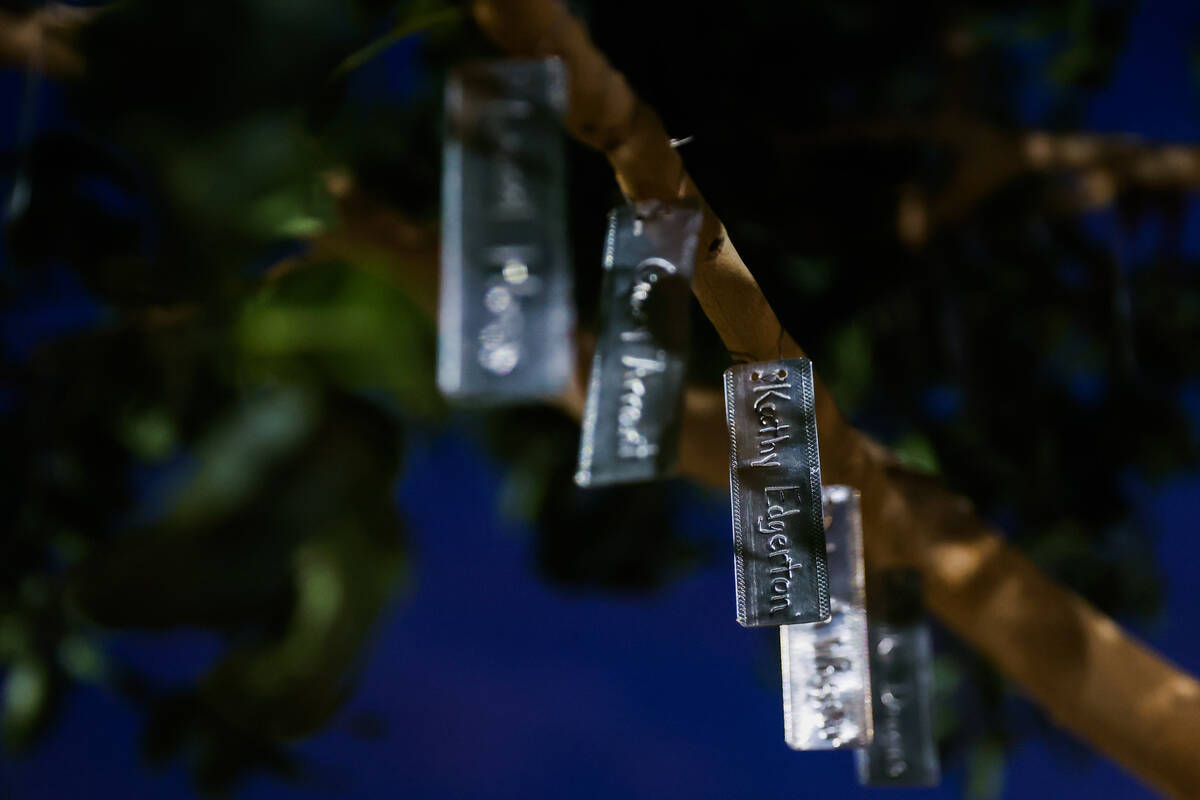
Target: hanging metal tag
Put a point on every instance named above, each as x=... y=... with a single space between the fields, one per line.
x=635 y=393
x=505 y=316
x=775 y=491
x=826 y=677
x=903 y=752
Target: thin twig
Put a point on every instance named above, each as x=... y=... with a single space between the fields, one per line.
x=424 y=22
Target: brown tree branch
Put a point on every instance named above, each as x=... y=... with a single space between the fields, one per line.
x=44 y=39
x=1091 y=676
x=988 y=159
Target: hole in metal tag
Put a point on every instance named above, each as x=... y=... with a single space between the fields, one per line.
x=826 y=673
x=775 y=491
x=903 y=752
x=635 y=392
x=505 y=316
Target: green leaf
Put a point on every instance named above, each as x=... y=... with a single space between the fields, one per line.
x=850 y=358
x=259 y=178
x=235 y=456
x=149 y=434
x=82 y=659
x=351 y=326
x=26 y=700
x=418 y=23
x=916 y=451
x=292 y=686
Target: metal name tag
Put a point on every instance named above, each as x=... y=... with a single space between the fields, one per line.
x=775 y=491
x=826 y=676
x=903 y=752
x=635 y=393
x=505 y=318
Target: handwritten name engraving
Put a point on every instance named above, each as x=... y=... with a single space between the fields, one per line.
x=509 y=192
x=770 y=433
x=825 y=665
x=631 y=420
x=779 y=545
x=631 y=441
x=775 y=485
x=824 y=694
x=903 y=751
x=891 y=741
x=893 y=700
x=826 y=705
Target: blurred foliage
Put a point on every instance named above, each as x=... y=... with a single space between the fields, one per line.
x=185 y=338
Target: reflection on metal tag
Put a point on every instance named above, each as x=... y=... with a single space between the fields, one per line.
x=632 y=418
x=826 y=676
x=775 y=490
x=904 y=752
x=505 y=317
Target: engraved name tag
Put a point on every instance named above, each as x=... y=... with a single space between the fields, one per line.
x=631 y=420
x=505 y=317
x=903 y=752
x=775 y=491
x=826 y=677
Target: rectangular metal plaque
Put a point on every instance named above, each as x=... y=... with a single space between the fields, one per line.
x=635 y=392
x=903 y=752
x=826 y=676
x=505 y=317
x=775 y=491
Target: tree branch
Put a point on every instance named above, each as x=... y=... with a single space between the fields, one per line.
x=1091 y=676
x=44 y=38
x=989 y=158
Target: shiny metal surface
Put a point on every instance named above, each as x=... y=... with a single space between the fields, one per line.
x=775 y=494
x=904 y=752
x=631 y=421
x=825 y=666
x=505 y=317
